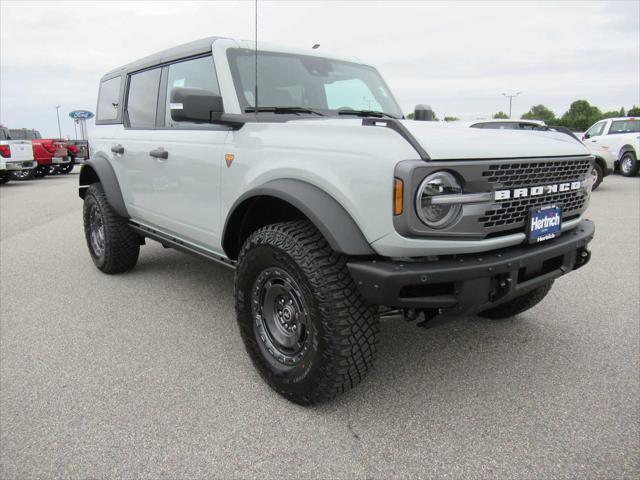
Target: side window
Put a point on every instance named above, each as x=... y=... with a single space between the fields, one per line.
x=197 y=73
x=624 y=126
x=142 y=99
x=109 y=100
x=596 y=130
x=501 y=125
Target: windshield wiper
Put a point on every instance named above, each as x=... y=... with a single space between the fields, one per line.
x=284 y=110
x=365 y=113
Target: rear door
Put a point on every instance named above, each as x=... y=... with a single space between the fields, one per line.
x=623 y=132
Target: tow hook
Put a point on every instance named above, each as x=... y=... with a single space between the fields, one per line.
x=423 y=316
x=582 y=258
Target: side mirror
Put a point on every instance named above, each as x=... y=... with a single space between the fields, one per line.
x=195 y=105
x=423 y=113
x=585 y=136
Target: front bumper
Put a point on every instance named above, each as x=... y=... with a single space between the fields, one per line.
x=470 y=283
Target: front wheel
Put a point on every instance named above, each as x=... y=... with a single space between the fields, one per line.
x=519 y=304
x=597 y=175
x=113 y=246
x=307 y=329
x=629 y=165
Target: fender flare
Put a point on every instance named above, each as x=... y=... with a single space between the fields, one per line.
x=626 y=149
x=98 y=169
x=330 y=218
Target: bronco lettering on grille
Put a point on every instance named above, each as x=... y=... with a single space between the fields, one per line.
x=533 y=191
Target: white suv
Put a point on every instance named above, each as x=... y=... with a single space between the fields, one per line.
x=617 y=142
x=332 y=208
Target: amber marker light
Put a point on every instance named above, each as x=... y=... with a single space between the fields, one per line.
x=398 y=190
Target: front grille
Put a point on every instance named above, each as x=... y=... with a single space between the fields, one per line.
x=516 y=211
x=512 y=213
x=511 y=175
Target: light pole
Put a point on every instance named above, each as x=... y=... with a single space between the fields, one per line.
x=58 y=115
x=511 y=97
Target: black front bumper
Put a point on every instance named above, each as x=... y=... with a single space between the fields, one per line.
x=471 y=283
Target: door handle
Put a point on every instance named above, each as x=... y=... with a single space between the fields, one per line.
x=159 y=153
x=117 y=149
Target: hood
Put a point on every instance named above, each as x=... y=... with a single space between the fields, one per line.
x=444 y=141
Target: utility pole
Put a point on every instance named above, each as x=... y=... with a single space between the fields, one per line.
x=511 y=97
x=58 y=115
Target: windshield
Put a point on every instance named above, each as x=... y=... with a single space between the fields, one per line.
x=319 y=84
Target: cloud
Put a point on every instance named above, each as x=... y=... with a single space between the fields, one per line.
x=457 y=56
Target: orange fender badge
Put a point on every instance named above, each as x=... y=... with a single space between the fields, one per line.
x=228 y=157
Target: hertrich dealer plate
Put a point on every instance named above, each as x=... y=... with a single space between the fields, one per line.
x=545 y=223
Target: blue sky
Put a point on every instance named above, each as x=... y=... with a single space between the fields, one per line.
x=456 y=56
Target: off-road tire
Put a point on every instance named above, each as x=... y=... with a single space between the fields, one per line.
x=519 y=304
x=121 y=243
x=342 y=326
x=629 y=159
x=598 y=174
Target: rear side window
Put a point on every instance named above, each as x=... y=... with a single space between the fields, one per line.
x=498 y=125
x=196 y=73
x=624 y=126
x=109 y=101
x=142 y=100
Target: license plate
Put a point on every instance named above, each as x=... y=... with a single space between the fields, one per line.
x=545 y=223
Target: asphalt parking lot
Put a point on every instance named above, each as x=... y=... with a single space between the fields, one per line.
x=144 y=374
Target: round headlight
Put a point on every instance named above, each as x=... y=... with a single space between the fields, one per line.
x=438 y=214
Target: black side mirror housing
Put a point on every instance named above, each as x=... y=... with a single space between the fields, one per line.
x=423 y=113
x=195 y=105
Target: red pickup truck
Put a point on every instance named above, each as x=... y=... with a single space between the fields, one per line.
x=48 y=152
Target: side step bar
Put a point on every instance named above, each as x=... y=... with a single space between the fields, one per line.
x=170 y=241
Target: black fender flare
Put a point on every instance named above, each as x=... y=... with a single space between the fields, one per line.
x=334 y=222
x=98 y=169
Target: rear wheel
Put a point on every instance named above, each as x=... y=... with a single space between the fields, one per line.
x=113 y=246
x=4 y=177
x=305 y=325
x=66 y=168
x=518 y=304
x=22 y=174
x=629 y=165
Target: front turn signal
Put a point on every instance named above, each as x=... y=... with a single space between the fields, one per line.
x=398 y=191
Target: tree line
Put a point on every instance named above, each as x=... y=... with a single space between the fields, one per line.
x=580 y=116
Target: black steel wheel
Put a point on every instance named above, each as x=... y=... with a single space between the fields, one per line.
x=113 y=246
x=305 y=325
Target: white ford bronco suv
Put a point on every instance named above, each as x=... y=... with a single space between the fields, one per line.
x=331 y=207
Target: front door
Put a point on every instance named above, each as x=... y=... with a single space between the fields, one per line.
x=177 y=164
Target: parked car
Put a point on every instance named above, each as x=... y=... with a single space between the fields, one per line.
x=15 y=156
x=48 y=152
x=331 y=207
x=616 y=141
x=600 y=169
